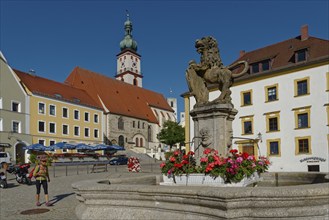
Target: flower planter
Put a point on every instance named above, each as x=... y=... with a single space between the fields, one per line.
x=204 y=180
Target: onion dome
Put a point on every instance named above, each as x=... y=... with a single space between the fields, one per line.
x=128 y=42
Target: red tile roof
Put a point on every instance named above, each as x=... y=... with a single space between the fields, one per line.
x=52 y=89
x=282 y=54
x=118 y=97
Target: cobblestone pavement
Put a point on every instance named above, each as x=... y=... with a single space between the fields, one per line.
x=18 y=198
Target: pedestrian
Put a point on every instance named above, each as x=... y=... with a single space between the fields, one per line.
x=41 y=176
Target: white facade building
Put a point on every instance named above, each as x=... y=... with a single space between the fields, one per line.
x=283 y=105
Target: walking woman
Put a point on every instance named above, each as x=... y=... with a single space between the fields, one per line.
x=41 y=176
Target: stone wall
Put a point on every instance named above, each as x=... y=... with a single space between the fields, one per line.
x=141 y=197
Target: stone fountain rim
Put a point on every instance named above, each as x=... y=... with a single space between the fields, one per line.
x=125 y=185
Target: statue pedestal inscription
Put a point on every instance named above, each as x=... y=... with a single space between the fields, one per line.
x=213 y=127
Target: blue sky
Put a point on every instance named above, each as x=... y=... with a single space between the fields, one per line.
x=53 y=37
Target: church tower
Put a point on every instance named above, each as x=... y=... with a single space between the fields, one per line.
x=128 y=60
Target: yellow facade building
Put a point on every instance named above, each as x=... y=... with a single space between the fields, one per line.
x=61 y=113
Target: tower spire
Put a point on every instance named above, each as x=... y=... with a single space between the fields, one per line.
x=128 y=42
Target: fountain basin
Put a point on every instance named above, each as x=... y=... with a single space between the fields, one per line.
x=141 y=197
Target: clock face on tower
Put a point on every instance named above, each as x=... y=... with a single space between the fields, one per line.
x=134 y=65
x=122 y=64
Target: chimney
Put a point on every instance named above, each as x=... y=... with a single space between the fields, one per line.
x=242 y=53
x=304 y=32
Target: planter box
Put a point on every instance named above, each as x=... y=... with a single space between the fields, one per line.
x=204 y=180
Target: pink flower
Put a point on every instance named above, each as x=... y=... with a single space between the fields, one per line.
x=251 y=157
x=172 y=159
x=239 y=159
x=204 y=159
x=162 y=165
x=190 y=153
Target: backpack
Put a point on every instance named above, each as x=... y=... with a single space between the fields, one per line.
x=31 y=173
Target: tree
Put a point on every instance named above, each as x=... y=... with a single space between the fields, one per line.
x=172 y=133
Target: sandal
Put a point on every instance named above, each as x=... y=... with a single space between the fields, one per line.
x=48 y=204
x=38 y=204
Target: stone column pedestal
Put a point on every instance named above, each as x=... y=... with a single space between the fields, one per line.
x=213 y=128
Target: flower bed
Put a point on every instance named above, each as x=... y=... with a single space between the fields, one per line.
x=239 y=169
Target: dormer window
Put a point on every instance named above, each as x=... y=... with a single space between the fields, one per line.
x=260 y=66
x=255 y=68
x=301 y=55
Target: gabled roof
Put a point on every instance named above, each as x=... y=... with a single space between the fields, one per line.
x=52 y=89
x=118 y=97
x=282 y=54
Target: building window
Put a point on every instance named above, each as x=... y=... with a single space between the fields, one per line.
x=303 y=145
x=87 y=116
x=43 y=142
x=246 y=98
x=76 y=114
x=272 y=121
x=302 y=117
x=327 y=114
x=121 y=141
x=327 y=90
x=65 y=113
x=96 y=118
x=133 y=124
x=138 y=124
x=302 y=86
x=265 y=65
x=273 y=147
x=65 y=129
x=255 y=68
x=16 y=127
x=16 y=107
x=1 y=126
x=271 y=93
x=273 y=124
x=76 y=131
x=41 y=108
x=96 y=133
x=52 y=128
x=41 y=126
x=52 y=110
x=149 y=133
x=120 y=124
x=247 y=125
x=247 y=146
x=86 y=132
x=303 y=120
x=52 y=142
x=301 y=55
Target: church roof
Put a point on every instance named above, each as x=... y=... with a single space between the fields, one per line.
x=56 y=90
x=118 y=97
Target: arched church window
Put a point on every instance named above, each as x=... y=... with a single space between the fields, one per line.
x=121 y=141
x=120 y=123
x=149 y=133
x=135 y=82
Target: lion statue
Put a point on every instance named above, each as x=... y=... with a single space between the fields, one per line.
x=211 y=70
